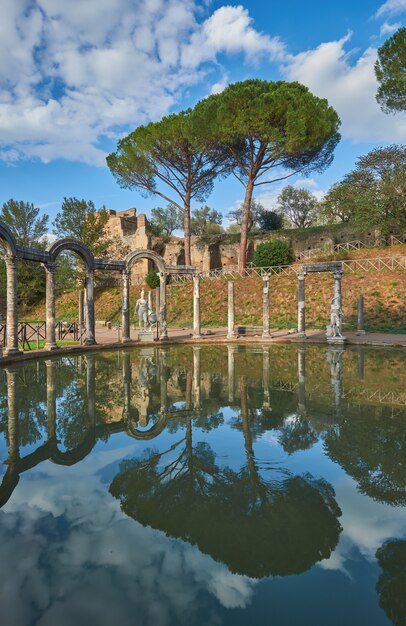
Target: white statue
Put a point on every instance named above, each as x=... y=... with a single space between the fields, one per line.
x=335 y=318
x=142 y=307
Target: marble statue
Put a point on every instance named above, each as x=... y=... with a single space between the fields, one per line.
x=334 y=330
x=142 y=307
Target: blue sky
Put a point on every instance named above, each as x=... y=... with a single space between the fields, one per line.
x=75 y=75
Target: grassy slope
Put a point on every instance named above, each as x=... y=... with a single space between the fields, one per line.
x=384 y=293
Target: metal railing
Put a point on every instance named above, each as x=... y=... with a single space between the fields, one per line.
x=348 y=245
x=29 y=333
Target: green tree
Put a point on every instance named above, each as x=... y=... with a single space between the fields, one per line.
x=339 y=203
x=269 y=220
x=270 y=127
x=164 y=220
x=23 y=218
x=273 y=252
x=205 y=222
x=298 y=205
x=152 y=279
x=80 y=220
x=374 y=193
x=390 y=71
x=29 y=229
x=256 y=210
x=176 y=152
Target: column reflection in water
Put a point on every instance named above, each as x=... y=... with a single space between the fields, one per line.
x=335 y=358
x=230 y=358
x=301 y=375
x=196 y=378
x=265 y=377
x=51 y=399
x=360 y=362
x=12 y=424
x=163 y=380
x=126 y=385
x=91 y=388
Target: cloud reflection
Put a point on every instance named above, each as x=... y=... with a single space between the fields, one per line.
x=75 y=558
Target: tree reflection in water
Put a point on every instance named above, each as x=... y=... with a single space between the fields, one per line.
x=391 y=585
x=278 y=525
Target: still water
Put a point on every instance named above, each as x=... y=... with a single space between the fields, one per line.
x=204 y=486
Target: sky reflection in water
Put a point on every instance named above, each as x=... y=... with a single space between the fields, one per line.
x=205 y=485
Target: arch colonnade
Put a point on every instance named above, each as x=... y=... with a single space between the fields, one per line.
x=47 y=258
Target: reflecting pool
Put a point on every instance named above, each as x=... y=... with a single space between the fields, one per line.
x=204 y=486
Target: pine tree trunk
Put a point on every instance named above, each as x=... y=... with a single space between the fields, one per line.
x=186 y=229
x=246 y=210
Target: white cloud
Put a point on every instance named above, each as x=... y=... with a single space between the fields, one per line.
x=73 y=73
x=389 y=29
x=391 y=7
x=220 y=85
x=230 y=30
x=350 y=87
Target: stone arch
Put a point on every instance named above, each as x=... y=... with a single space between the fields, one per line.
x=137 y=255
x=7 y=240
x=129 y=261
x=71 y=457
x=151 y=433
x=86 y=255
x=74 y=246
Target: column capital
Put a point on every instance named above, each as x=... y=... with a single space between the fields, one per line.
x=301 y=275
x=266 y=277
x=338 y=274
x=49 y=267
x=10 y=259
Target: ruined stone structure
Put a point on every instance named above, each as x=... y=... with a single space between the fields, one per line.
x=132 y=229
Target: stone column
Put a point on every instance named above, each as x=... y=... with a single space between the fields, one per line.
x=125 y=306
x=360 y=316
x=230 y=360
x=12 y=423
x=301 y=307
x=150 y=305
x=91 y=389
x=51 y=399
x=81 y=316
x=12 y=311
x=301 y=375
x=50 y=339
x=231 y=334
x=196 y=307
x=196 y=378
x=338 y=296
x=163 y=334
x=127 y=385
x=265 y=306
x=90 y=326
x=265 y=377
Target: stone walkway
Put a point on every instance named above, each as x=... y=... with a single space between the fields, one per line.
x=105 y=336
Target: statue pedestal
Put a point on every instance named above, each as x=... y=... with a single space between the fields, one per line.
x=145 y=335
x=336 y=340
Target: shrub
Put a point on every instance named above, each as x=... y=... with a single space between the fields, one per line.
x=152 y=279
x=274 y=252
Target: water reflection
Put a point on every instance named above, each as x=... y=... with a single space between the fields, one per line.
x=257 y=509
